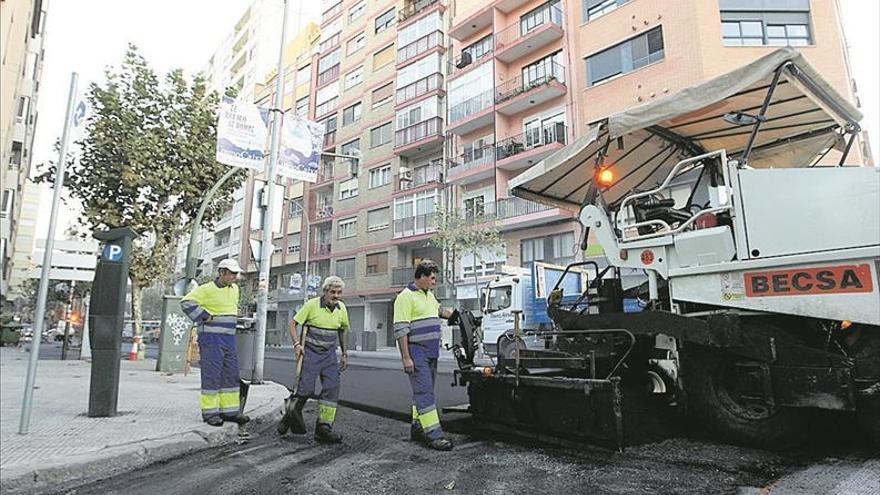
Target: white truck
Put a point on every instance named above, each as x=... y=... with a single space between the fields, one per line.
x=762 y=301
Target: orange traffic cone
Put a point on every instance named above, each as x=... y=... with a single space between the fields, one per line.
x=133 y=353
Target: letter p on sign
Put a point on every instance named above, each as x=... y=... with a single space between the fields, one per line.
x=112 y=252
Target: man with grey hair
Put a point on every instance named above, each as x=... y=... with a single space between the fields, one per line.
x=324 y=320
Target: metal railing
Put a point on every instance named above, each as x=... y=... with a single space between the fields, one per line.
x=528 y=23
x=416 y=132
x=325 y=173
x=418 y=177
x=322 y=211
x=419 y=46
x=474 y=158
x=329 y=75
x=418 y=88
x=515 y=207
x=539 y=75
x=321 y=249
x=472 y=106
x=531 y=139
x=415 y=225
x=412 y=8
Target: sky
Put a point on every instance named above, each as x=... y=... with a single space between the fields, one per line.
x=87 y=36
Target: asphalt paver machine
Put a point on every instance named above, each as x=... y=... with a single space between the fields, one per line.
x=761 y=309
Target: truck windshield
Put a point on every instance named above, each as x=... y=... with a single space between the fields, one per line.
x=499 y=298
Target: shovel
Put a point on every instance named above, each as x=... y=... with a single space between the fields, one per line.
x=292 y=418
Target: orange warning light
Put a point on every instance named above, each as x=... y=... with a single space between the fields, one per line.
x=605 y=177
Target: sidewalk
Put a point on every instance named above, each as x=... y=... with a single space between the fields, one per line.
x=158 y=419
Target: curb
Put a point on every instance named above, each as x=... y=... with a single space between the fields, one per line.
x=113 y=461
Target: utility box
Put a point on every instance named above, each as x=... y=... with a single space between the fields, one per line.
x=174 y=337
x=106 y=317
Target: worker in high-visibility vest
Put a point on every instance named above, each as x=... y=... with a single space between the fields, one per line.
x=417 y=330
x=325 y=322
x=214 y=307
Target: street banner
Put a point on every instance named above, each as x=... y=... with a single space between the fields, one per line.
x=314 y=283
x=242 y=128
x=301 y=144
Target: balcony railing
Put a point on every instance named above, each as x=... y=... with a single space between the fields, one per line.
x=321 y=249
x=515 y=207
x=419 y=177
x=416 y=132
x=473 y=158
x=471 y=106
x=419 y=46
x=412 y=8
x=423 y=86
x=325 y=173
x=330 y=43
x=419 y=224
x=529 y=140
x=332 y=11
x=329 y=138
x=322 y=211
x=539 y=75
x=328 y=75
x=548 y=14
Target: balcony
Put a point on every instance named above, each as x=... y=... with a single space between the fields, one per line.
x=330 y=43
x=530 y=147
x=414 y=8
x=321 y=212
x=517 y=207
x=418 y=177
x=329 y=75
x=473 y=166
x=420 y=46
x=419 y=138
x=546 y=81
x=331 y=12
x=321 y=249
x=532 y=32
x=423 y=86
x=416 y=225
x=473 y=24
x=326 y=107
x=472 y=113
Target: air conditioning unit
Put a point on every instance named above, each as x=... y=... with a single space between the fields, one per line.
x=405 y=174
x=464 y=60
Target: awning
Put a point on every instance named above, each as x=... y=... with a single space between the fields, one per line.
x=805 y=117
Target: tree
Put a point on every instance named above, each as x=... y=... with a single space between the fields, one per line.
x=146 y=163
x=458 y=235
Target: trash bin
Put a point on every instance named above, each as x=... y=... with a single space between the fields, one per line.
x=368 y=340
x=10 y=333
x=245 y=334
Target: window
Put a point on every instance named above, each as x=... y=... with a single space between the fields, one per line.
x=354 y=78
x=418 y=112
x=480 y=48
x=347 y=228
x=380 y=135
x=302 y=107
x=352 y=147
x=293 y=243
x=474 y=207
x=379 y=176
x=330 y=61
x=478 y=149
x=383 y=95
x=419 y=70
x=348 y=189
x=379 y=219
x=771 y=22
x=626 y=57
x=304 y=75
x=377 y=263
x=548 y=12
x=8 y=196
x=23 y=104
x=419 y=29
x=544 y=69
x=356 y=43
x=385 y=20
x=345 y=268
x=557 y=248
x=295 y=209
x=356 y=11
x=351 y=114
x=594 y=9
x=329 y=124
x=383 y=57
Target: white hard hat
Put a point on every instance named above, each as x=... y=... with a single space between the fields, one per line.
x=229 y=264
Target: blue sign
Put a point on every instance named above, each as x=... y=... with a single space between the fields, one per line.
x=112 y=252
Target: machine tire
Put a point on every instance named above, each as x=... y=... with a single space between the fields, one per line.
x=722 y=416
x=507 y=348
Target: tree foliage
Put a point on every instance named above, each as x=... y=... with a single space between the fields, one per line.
x=146 y=162
x=460 y=235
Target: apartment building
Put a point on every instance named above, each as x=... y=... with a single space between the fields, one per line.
x=22 y=23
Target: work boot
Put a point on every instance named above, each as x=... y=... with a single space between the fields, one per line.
x=416 y=434
x=236 y=418
x=325 y=434
x=215 y=421
x=441 y=443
